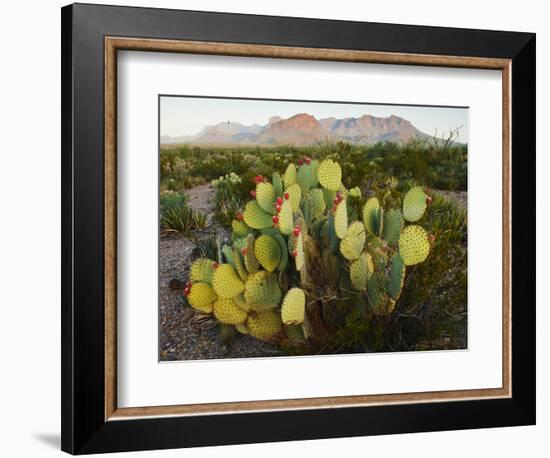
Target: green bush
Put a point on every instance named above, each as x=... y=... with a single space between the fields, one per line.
x=177 y=216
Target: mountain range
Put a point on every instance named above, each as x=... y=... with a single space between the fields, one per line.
x=304 y=129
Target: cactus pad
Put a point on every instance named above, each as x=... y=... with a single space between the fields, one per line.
x=255 y=217
x=227 y=312
x=240 y=243
x=240 y=229
x=295 y=195
x=250 y=261
x=296 y=246
x=360 y=271
x=241 y=328
x=379 y=300
x=306 y=177
x=277 y=184
x=295 y=334
x=329 y=197
x=201 y=297
x=228 y=255
x=397 y=275
x=265 y=196
x=202 y=270
x=370 y=215
x=282 y=245
x=262 y=291
x=393 y=224
x=414 y=204
x=268 y=252
x=333 y=240
x=341 y=220
x=285 y=217
x=315 y=169
x=355 y=192
x=414 y=246
x=317 y=200
x=239 y=264
x=264 y=325
x=380 y=222
x=291 y=175
x=354 y=241
x=226 y=281
x=330 y=175
x=241 y=302
x=294 y=306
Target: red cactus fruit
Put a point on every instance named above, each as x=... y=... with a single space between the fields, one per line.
x=287 y=195
x=308 y=160
x=215 y=265
x=279 y=201
x=253 y=193
x=239 y=216
x=243 y=252
x=300 y=161
x=295 y=253
x=297 y=231
x=275 y=219
x=278 y=208
x=187 y=290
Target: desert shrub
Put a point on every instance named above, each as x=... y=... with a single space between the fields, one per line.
x=229 y=197
x=206 y=248
x=437 y=163
x=176 y=215
x=170 y=200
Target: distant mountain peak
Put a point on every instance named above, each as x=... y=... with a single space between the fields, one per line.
x=303 y=129
x=300 y=121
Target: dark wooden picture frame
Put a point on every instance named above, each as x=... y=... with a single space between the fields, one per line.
x=91 y=37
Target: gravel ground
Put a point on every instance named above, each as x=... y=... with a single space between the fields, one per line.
x=184 y=333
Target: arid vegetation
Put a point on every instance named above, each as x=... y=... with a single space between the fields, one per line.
x=430 y=311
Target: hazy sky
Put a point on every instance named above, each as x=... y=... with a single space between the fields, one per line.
x=188 y=115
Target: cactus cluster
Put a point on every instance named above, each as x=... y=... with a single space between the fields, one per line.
x=301 y=242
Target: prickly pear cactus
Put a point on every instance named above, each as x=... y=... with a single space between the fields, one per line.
x=201 y=296
x=304 y=243
x=202 y=270
x=330 y=175
x=414 y=204
x=264 y=325
x=228 y=312
x=414 y=245
x=293 y=307
x=226 y=281
x=268 y=252
x=255 y=216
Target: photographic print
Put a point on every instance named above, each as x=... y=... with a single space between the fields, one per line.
x=296 y=228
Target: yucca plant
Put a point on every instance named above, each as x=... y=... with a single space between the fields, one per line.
x=176 y=215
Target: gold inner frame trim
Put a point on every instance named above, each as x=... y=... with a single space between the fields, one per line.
x=114 y=44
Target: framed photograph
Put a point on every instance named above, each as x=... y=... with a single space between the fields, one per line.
x=283 y=228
